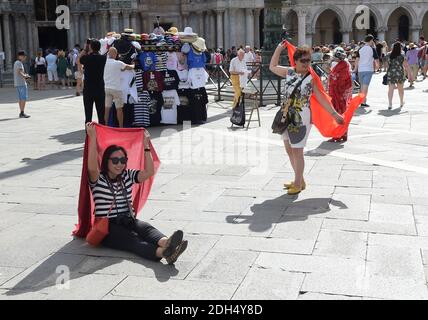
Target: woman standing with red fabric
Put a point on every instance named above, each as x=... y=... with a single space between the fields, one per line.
x=340 y=86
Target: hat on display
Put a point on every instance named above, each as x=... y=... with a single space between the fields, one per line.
x=199 y=45
x=412 y=45
x=172 y=31
x=128 y=31
x=153 y=37
x=188 y=35
x=145 y=36
x=159 y=31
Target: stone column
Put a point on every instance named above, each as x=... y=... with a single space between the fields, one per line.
x=145 y=23
x=76 y=27
x=134 y=23
x=1 y=46
x=70 y=34
x=30 y=28
x=201 y=23
x=220 y=29
x=104 y=23
x=88 y=33
x=257 y=27
x=415 y=34
x=345 y=36
x=249 y=27
x=213 y=35
x=226 y=30
x=185 y=21
x=381 y=34
x=309 y=39
x=114 y=21
x=208 y=30
x=7 y=43
x=301 y=15
x=232 y=19
x=126 y=24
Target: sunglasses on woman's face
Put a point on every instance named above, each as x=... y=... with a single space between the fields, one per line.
x=122 y=160
x=305 y=60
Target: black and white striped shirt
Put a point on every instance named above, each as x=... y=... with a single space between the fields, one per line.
x=103 y=196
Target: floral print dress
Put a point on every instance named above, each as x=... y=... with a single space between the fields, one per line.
x=297 y=133
x=395 y=70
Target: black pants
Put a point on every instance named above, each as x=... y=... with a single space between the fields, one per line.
x=140 y=238
x=89 y=98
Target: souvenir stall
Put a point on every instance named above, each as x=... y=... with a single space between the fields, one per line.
x=167 y=85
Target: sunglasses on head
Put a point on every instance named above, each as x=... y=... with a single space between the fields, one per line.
x=122 y=160
x=305 y=60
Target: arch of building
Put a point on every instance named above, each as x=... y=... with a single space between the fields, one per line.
x=325 y=33
x=341 y=16
x=401 y=22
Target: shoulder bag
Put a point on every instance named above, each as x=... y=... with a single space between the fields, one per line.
x=281 y=120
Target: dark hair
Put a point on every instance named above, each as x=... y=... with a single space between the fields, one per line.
x=369 y=38
x=21 y=53
x=107 y=154
x=95 y=45
x=302 y=51
x=396 y=50
x=317 y=49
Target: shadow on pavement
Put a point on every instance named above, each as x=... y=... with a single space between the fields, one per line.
x=324 y=149
x=72 y=258
x=267 y=213
x=43 y=162
x=9 y=119
x=361 y=112
x=75 y=137
x=391 y=113
x=8 y=95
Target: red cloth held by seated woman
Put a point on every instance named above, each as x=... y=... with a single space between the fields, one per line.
x=132 y=140
x=340 y=86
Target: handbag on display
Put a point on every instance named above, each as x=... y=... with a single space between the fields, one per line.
x=282 y=120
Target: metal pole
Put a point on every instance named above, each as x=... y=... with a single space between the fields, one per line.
x=278 y=97
x=261 y=84
x=218 y=82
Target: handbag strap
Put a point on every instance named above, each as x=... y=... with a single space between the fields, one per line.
x=110 y=185
x=125 y=195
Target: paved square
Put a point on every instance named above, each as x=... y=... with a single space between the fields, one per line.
x=359 y=231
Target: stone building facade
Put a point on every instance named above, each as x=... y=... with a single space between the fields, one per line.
x=30 y=24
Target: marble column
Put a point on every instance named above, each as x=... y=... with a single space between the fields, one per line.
x=134 y=23
x=70 y=34
x=1 y=46
x=114 y=21
x=145 y=23
x=249 y=27
x=126 y=24
x=88 y=33
x=381 y=35
x=207 y=28
x=104 y=23
x=76 y=27
x=213 y=31
x=7 y=42
x=232 y=18
x=257 y=27
x=309 y=39
x=220 y=29
x=301 y=15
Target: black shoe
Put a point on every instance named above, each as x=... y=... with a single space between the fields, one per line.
x=365 y=105
x=23 y=115
x=173 y=242
x=180 y=249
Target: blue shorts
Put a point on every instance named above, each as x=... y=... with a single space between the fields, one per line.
x=365 y=77
x=22 y=92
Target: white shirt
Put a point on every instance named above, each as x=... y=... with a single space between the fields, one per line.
x=237 y=65
x=197 y=78
x=112 y=73
x=248 y=57
x=366 y=59
x=172 y=62
x=169 y=108
x=40 y=61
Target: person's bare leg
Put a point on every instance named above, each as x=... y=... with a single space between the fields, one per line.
x=401 y=93
x=365 y=89
x=119 y=113
x=299 y=162
x=290 y=154
x=390 y=94
x=22 y=105
x=107 y=114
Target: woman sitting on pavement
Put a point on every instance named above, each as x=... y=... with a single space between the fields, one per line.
x=112 y=193
x=296 y=134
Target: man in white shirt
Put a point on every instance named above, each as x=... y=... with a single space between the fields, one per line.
x=112 y=84
x=366 y=63
x=238 y=75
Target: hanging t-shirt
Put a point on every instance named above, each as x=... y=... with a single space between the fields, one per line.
x=147 y=60
x=181 y=61
x=153 y=81
x=184 y=110
x=172 y=61
x=199 y=100
x=169 y=108
x=162 y=58
x=171 y=80
x=197 y=78
x=142 y=110
x=196 y=60
x=155 y=107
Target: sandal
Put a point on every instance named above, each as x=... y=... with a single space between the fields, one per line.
x=291 y=184
x=294 y=191
x=173 y=242
x=180 y=249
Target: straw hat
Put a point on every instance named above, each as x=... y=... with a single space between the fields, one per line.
x=199 y=45
x=188 y=35
x=172 y=31
x=412 y=45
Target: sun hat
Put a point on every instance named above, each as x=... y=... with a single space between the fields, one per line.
x=172 y=31
x=199 y=45
x=412 y=45
x=188 y=35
